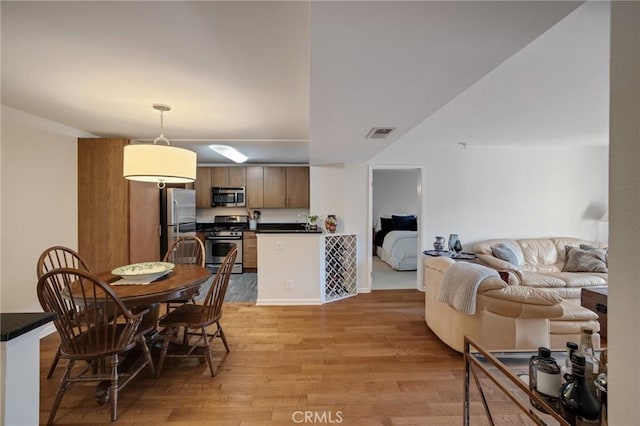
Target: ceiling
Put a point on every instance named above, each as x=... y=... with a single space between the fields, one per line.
x=284 y=82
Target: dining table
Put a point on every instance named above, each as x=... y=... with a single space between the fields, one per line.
x=183 y=282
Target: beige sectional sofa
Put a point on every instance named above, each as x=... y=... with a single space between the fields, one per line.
x=539 y=306
x=542 y=263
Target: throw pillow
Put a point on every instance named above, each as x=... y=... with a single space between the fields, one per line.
x=386 y=224
x=504 y=252
x=581 y=260
x=606 y=252
x=404 y=223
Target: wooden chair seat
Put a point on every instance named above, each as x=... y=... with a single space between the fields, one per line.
x=190 y=316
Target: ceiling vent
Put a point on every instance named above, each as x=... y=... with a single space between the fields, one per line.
x=380 y=132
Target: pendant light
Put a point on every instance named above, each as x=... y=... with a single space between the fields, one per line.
x=159 y=163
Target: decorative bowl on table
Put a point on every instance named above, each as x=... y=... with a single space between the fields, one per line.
x=144 y=271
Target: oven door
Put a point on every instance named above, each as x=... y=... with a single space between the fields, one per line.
x=216 y=249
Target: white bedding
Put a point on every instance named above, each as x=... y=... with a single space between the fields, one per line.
x=400 y=250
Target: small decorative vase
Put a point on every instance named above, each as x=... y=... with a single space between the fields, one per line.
x=331 y=223
x=438 y=244
x=452 y=242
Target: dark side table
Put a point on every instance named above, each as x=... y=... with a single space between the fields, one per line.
x=595 y=299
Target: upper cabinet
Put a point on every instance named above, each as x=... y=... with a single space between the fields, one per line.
x=228 y=176
x=207 y=177
x=266 y=187
x=255 y=188
x=297 y=187
x=275 y=187
x=203 y=187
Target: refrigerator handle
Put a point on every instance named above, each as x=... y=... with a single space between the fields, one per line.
x=175 y=218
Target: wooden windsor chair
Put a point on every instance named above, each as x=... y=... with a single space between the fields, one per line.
x=198 y=317
x=53 y=258
x=94 y=326
x=184 y=250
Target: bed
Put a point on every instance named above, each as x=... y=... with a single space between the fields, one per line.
x=397 y=242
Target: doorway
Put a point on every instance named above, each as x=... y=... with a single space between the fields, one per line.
x=394 y=191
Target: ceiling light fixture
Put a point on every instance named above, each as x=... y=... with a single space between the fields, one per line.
x=159 y=163
x=229 y=152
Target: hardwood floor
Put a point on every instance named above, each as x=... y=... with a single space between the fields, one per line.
x=367 y=360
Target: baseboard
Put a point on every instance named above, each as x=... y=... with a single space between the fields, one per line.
x=287 y=302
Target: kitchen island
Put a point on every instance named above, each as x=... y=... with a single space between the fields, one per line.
x=306 y=268
x=20 y=366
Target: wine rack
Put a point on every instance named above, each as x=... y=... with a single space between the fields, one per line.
x=341 y=267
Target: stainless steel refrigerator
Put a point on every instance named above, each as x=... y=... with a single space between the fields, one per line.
x=177 y=215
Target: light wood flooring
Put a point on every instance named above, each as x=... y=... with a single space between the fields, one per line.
x=366 y=360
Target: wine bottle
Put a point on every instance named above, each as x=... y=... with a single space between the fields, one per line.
x=590 y=361
x=545 y=379
x=571 y=348
x=577 y=404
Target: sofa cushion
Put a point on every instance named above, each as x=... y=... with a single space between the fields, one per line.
x=534 y=279
x=582 y=279
x=580 y=260
x=538 y=252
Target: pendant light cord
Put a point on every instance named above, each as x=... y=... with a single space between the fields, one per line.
x=161 y=137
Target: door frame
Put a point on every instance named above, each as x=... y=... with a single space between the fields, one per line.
x=419 y=195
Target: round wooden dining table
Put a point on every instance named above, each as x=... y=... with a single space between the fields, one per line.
x=183 y=282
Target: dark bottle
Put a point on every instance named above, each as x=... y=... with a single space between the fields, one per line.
x=590 y=361
x=577 y=404
x=571 y=348
x=545 y=379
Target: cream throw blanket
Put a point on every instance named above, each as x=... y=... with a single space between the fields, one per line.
x=460 y=285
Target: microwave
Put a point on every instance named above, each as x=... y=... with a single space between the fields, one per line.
x=228 y=197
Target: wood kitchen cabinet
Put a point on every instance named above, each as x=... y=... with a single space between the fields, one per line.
x=228 y=176
x=203 y=187
x=249 y=252
x=118 y=219
x=275 y=187
x=255 y=188
x=297 y=187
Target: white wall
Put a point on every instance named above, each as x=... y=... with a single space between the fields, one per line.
x=39 y=201
x=482 y=193
x=394 y=192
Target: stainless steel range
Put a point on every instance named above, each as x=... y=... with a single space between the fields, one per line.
x=224 y=233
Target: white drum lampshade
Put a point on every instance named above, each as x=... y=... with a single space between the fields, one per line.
x=159 y=163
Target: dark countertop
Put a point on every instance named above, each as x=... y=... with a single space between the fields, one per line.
x=13 y=325
x=286 y=231
x=269 y=228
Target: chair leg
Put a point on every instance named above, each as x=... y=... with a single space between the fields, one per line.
x=163 y=353
x=222 y=336
x=114 y=387
x=209 y=353
x=147 y=354
x=54 y=364
x=62 y=388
